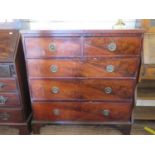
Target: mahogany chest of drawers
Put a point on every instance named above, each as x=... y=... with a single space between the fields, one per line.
x=14 y=96
x=83 y=77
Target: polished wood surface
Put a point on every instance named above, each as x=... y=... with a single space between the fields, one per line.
x=81 y=111
x=64 y=46
x=95 y=67
x=8 y=85
x=97 y=46
x=12 y=99
x=7 y=44
x=11 y=116
x=73 y=80
x=82 y=89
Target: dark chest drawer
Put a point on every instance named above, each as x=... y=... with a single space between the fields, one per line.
x=84 y=111
x=49 y=47
x=8 y=85
x=82 y=89
x=9 y=99
x=106 y=67
x=11 y=116
x=7 y=70
x=100 y=46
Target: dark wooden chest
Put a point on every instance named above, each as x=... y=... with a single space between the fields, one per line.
x=14 y=96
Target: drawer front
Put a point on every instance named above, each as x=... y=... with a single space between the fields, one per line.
x=53 y=47
x=52 y=68
x=11 y=116
x=8 y=85
x=9 y=99
x=100 y=46
x=6 y=70
x=82 y=89
x=110 y=67
x=82 y=111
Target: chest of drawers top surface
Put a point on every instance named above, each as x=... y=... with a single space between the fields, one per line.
x=8 y=44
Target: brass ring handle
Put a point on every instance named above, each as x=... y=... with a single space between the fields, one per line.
x=2 y=85
x=54 y=68
x=3 y=99
x=4 y=116
x=52 y=47
x=112 y=47
x=55 y=90
x=110 y=68
x=108 y=90
x=56 y=112
x=105 y=112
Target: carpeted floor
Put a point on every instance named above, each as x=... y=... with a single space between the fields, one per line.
x=137 y=129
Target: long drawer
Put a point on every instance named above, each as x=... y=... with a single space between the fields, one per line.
x=100 y=46
x=11 y=115
x=78 y=89
x=109 y=67
x=82 y=111
x=8 y=85
x=9 y=99
x=53 y=47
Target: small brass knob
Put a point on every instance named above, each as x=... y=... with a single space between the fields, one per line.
x=112 y=47
x=54 y=68
x=52 y=47
x=109 y=68
x=55 y=90
x=56 y=112
x=108 y=90
x=105 y=112
x=3 y=99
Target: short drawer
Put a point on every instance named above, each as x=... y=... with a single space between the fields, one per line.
x=9 y=99
x=82 y=111
x=6 y=70
x=11 y=115
x=53 y=47
x=78 y=89
x=100 y=46
x=108 y=67
x=8 y=85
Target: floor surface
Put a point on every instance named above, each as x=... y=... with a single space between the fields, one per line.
x=137 y=129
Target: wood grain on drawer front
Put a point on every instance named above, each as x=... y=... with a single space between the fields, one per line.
x=5 y=70
x=9 y=99
x=82 y=111
x=8 y=85
x=11 y=115
x=53 y=47
x=52 y=68
x=88 y=89
x=99 y=46
x=8 y=41
x=110 y=67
